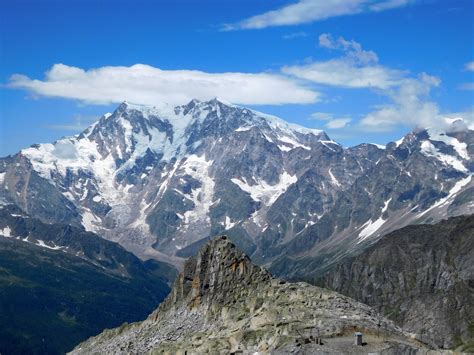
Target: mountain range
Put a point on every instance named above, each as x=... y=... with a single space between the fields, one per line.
x=162 y=181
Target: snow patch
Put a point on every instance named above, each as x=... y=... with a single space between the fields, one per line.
x=451 y=194
x=399 y=142
x=292 y=142
x=243 y=129
x=42 y=244
x=228 y=223
x=264 y=192
x=6 y=231
x=459 y=147
x=198 y=168
x=90 y=221
x=370 y=227
x=429 y=150
x=334 y=181
x=328 y=143
x=380 y=146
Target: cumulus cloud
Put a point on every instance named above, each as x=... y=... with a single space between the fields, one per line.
x=307 y=11
x=410 y=106
x=353 y=49
x=144 y=84
x=464 y=118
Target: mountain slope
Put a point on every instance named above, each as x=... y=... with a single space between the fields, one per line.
x=222 y=303
x=60 y=285
x=420 y=276
x=161 y=180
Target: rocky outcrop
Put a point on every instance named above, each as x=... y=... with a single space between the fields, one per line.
x=422 y=277
x=223 y=303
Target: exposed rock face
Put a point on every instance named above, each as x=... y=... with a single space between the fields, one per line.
x=420 y=276
x=160 y=180
x=223 y=303
x=218 y=275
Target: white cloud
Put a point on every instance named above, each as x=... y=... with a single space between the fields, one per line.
x=389 y=4
x=410 y=106
x=322 y=116
x=144 y=84
x=408 y=97
x=343 y=73
x=468 y=86
x=358 y=68
x=307 y=11
x=338 y=123
x=467 y=117
x=331 y=121
x=352 y=48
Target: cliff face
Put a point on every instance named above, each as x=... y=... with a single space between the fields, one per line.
x=422 y=277
x=220 y=274
x=223 y=303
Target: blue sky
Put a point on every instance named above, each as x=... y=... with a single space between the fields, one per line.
x=362 y=70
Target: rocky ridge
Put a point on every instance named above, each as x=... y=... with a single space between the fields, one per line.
x=223 y=303
x=422 y=277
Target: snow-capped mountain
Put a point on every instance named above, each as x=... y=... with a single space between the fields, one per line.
x=161 y=180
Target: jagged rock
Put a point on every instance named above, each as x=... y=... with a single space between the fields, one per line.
x=223 y=303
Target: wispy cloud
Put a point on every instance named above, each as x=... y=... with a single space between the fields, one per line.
x=388 y=5
x=80 y=122
x=468 y=86
x=295 y=35
x=358 y=68
x=307 y=11
x=470 y=66
x=145 y=84
x=331 y=121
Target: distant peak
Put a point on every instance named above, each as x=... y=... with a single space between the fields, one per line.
x=212 y=102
